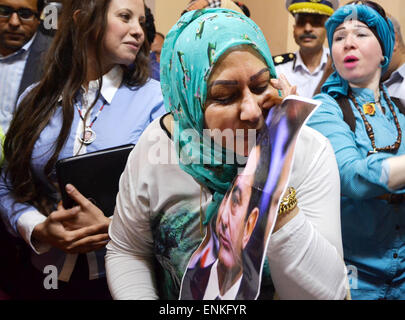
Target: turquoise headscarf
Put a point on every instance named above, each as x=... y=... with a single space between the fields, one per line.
x=190 y=51
x=336 y=85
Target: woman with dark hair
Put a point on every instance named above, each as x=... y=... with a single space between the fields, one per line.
x=365 y=127
x=95 y=94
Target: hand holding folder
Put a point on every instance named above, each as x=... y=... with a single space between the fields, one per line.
x=78 y=225
x=96 y=175
x=80 y=229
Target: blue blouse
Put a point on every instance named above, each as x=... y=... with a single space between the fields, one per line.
x=373 y=230
x=126 y=114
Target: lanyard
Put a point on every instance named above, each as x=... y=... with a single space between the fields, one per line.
x=88 y=135
x=95 y=118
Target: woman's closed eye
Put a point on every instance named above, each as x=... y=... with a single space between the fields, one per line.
x=259 y=89
x=223 y=94
x=227 y=96
x=227 y=99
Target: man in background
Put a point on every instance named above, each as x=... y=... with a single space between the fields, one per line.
x=22 y=46
x=305 y=68
x=396 y=70
x=23 y=42
x=155 y=50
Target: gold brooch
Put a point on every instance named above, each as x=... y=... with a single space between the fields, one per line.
x=369 y=108
x=289 y=202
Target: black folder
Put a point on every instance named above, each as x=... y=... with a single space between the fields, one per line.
x=96 y=175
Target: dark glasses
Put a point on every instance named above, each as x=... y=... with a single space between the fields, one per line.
x=23 y=13
x=315 y=20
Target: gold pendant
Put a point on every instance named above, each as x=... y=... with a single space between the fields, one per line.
x=369 y=108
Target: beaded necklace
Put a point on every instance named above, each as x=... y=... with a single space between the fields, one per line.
x=369 y=129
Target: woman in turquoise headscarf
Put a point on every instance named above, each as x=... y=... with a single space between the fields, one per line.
x=217 y=74
x=365 y=128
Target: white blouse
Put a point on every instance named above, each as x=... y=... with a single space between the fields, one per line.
x=305 y=255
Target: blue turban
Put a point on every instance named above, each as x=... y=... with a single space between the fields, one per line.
x=383 y=28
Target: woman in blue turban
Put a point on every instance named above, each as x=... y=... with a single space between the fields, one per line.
x=365 y=128
x=217 y=76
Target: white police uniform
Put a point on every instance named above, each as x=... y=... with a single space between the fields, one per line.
x=291 y=64
x=396 y=83
x=297 y=73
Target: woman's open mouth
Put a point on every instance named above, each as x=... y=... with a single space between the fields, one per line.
x=350 y=62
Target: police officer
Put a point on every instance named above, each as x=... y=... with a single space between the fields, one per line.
x=305 y=68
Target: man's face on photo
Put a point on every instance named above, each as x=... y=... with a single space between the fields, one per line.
x=17 y=28
x=233 y=227
x=231 y=222
x=309 y=30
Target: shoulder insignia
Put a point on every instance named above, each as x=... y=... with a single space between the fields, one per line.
x=283 y=58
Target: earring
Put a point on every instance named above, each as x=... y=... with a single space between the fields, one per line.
x=385 y=63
